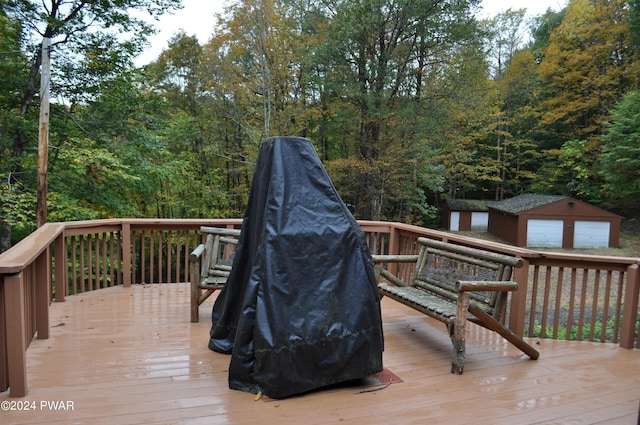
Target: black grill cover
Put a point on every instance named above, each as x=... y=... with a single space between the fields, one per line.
x=300 y=309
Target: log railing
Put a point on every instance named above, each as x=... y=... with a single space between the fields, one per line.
x=563 y=296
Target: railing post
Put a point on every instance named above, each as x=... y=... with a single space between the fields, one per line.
x=394 y=248
x=62 y=286
x=42 y=283
x=16 y=334
x=4 y=379
x=630 y=313
x=126 y=255
x=518 y=306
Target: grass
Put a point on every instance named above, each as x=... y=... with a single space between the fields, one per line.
x=608 y=329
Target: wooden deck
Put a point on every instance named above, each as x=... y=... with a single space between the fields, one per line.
x=131 y=356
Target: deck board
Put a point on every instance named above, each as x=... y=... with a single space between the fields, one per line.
x=131 y=356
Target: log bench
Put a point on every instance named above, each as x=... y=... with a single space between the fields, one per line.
x=210 y=264
x=455 y=284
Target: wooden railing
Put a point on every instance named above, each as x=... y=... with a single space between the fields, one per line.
x=560 y=295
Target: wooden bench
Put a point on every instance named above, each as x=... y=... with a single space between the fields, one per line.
x=455 y=284
x=210 y=264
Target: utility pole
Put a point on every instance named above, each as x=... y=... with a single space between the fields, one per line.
x=43 y=135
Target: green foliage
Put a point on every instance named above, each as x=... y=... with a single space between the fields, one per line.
x=543 y=26
x=634 y=21
x=620 y=161
x=377 y=59
x=588 y=64
x=578 y=162
x=17 y=208
x=607 y=327
x=94 y=180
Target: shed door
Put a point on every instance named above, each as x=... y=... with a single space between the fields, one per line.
x=479 y=220
x=544 y=233
x=455 y=221
x=591 y=234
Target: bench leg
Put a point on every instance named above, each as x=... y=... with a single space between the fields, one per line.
x=496 y=326
x=457 y=330
x=195 y=316
x=458 y=354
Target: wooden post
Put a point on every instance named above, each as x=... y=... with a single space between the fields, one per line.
x=630 y=313
x=43 y=136
x=394 y=249
x=518 y=306
x=61 y=273
x=126 y=254
x=16 y=334
x=42 y=294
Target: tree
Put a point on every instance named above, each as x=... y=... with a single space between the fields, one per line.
x=588 y=65
x=84 y=35
x=504 y=38
x=251 y=63
x=471 y=108
x=541 y=28
x=14 y=197
x=91 y=45
x=620 y=161
x=381 y=58
x=634 y=21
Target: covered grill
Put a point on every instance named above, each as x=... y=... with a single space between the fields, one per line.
x=300 y=309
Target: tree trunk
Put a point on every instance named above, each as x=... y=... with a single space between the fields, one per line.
x=5 y=236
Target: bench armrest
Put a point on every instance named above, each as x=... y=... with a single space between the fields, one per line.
x=381 y=259
x=197 y=253
x=482 y=285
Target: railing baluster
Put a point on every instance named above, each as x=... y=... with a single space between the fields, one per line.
x=605 y=307
x=74 y=264
x=558 y=305
x=160 y=251
x=594 y=306
x=96 y=261
x=616 y=323
x=533 y=303
x=572 y=299
x=83 y=281
x=581 y=310
x=545 y=304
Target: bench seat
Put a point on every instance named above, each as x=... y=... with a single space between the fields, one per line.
x=426 y=302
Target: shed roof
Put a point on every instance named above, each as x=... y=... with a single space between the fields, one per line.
x=525 y=202
x=469 y=204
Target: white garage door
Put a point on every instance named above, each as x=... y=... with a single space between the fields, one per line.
x=479 y=220
x=455 y=221
x=591 y=234
x=544 y=233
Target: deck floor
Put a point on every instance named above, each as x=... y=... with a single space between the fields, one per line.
x=131 y=356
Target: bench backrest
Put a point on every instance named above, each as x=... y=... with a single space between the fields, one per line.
x=441 y=264
x=220 y=246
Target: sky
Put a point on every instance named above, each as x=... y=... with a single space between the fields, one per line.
x=197 y=17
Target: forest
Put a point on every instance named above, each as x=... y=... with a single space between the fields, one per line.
x=408 y=103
